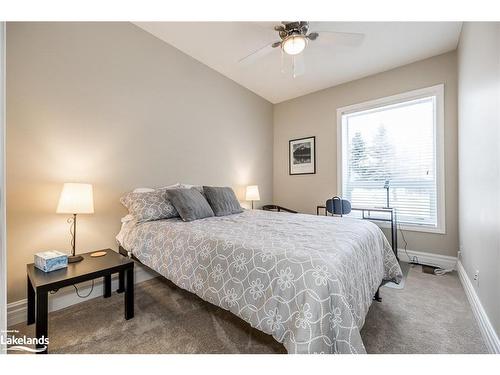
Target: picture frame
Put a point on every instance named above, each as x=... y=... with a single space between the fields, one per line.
x=302 y=156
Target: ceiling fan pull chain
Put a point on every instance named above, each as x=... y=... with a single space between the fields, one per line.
x=294 y=66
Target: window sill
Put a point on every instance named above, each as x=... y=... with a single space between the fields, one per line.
x=411 y=228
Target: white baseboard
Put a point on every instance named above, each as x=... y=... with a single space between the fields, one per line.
x=16 y=311
x=490 y=337
x=444 y=261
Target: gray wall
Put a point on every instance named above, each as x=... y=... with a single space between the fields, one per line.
x=109 y=104
x=479 y=160
x=315 y=114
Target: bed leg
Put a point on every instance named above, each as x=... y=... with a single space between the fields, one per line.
x=377 y=296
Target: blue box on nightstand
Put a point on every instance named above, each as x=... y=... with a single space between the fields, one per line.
x=51 y=260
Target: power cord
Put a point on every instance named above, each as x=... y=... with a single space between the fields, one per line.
x=442 y=271
x=439 y=271
x=412 y=260
x=76 y=290
x=78 y=294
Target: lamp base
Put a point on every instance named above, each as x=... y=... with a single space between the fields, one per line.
x=75 y=258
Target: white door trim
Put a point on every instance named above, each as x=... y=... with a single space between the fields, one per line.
x=3 y=242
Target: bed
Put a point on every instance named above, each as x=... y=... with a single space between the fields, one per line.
x=306 y=280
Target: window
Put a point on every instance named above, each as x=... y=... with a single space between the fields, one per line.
x=395 y=143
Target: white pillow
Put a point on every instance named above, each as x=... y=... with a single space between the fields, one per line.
x=174 y=186
x=127 y=218
x=149 y=190
x=143 y=190
x=189 y=186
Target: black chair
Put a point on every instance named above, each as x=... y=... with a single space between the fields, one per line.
x=338 y=206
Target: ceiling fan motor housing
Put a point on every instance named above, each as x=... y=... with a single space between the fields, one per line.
x=292 y=28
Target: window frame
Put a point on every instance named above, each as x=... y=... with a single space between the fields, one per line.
x=438 y=92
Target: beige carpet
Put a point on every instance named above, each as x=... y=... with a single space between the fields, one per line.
x=430 y=315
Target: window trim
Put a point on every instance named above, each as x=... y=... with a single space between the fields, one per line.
x=438 y=92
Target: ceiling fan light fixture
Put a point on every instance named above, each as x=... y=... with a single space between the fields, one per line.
x=294 y=44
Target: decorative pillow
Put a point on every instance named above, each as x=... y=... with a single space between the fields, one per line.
x=149 y=206
x=190 y=204
x=222 y=200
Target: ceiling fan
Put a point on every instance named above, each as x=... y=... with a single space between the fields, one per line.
x=295 y=37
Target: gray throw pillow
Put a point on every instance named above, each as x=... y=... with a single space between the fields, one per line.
x=190 y=204
x=149 y=206
x=222 y=200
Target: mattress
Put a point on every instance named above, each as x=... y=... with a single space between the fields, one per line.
x=306 y=280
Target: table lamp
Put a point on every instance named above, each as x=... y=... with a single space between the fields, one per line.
x=75 y=199
x=252 y=194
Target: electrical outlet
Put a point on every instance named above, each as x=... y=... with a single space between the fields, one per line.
x=476 y=277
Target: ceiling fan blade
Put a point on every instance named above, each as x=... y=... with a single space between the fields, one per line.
x=339 y=38
x=312 y=36
x=255 y=55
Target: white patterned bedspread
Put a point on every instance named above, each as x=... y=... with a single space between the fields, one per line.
x=306 y=280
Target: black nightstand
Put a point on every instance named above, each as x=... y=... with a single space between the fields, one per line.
x=41 y=283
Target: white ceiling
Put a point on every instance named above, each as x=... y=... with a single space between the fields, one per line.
x=386 y=45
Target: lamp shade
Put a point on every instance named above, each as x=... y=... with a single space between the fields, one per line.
x=252 y=193
x=76 y=199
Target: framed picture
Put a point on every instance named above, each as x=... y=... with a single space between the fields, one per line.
x=302 y=156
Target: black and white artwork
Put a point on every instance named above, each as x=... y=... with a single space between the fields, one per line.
x=302 y=156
